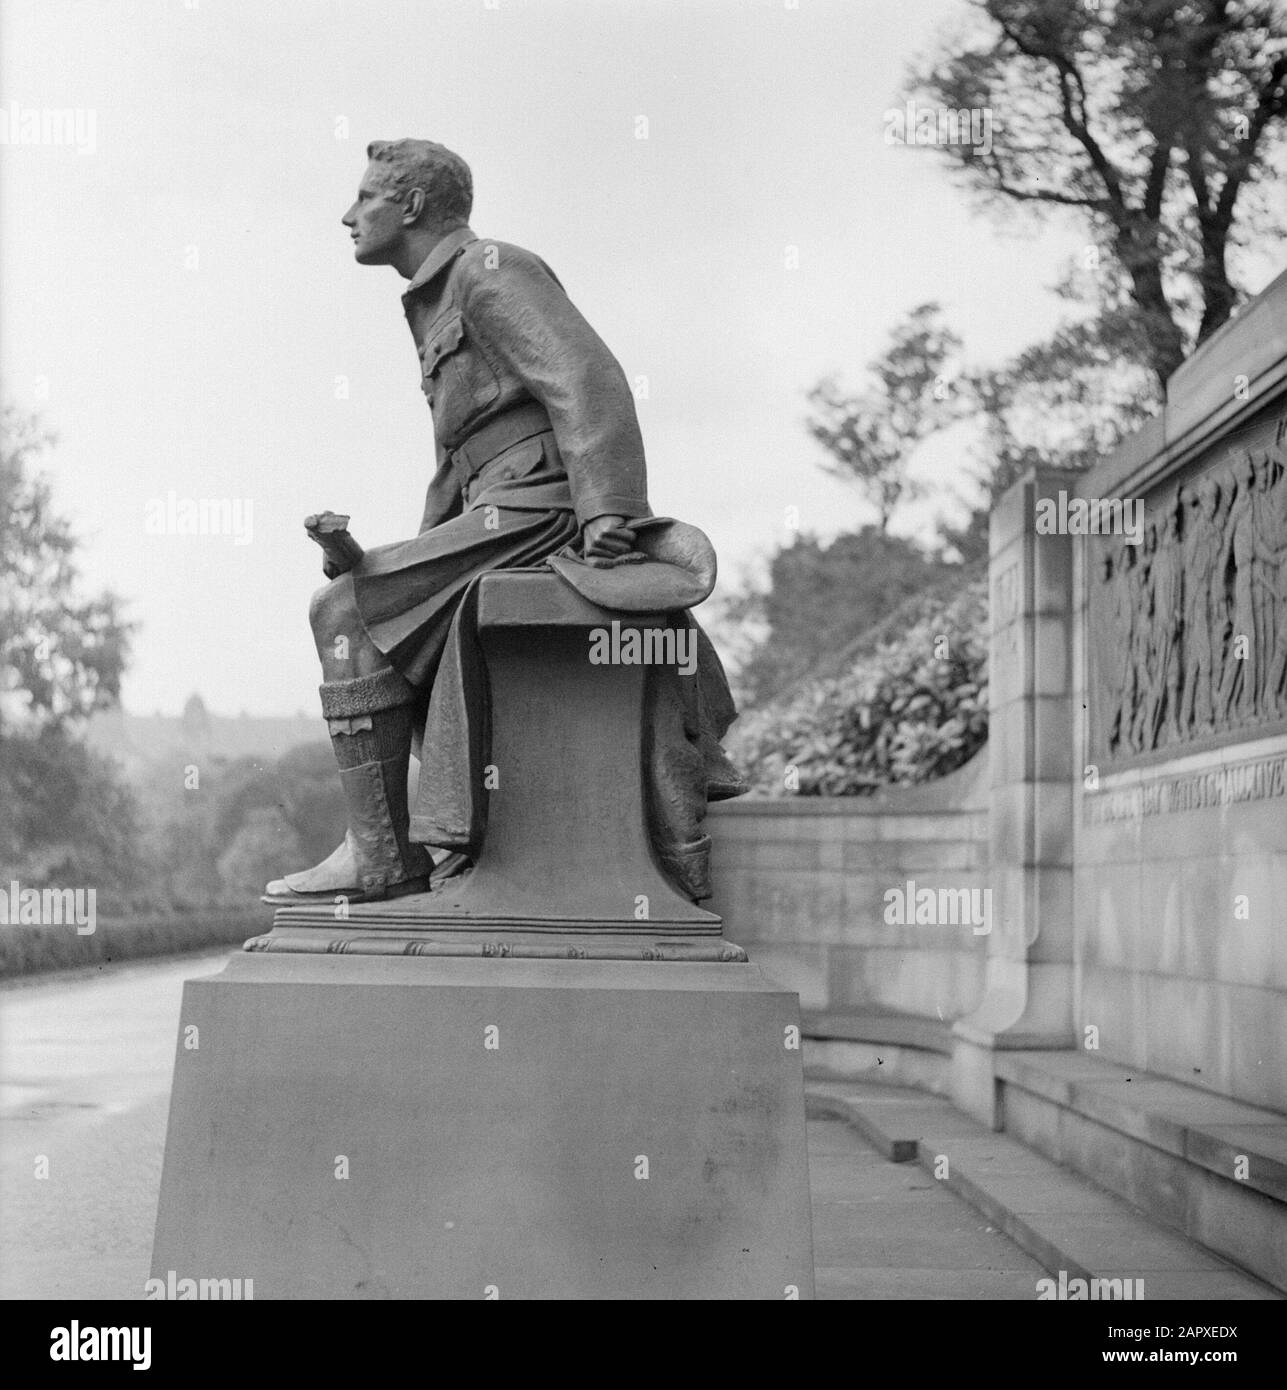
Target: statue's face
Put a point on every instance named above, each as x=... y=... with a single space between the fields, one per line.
x=375 y=219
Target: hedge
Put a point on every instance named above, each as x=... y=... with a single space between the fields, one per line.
x=26 y=950
x=905 y=703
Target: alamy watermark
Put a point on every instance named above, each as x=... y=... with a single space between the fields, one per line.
x=939 y=125
x=646 y=646
x=74 y=127
x=939 y=907
x=172 y=515
x=49 y=907
x=1091 y=516
x=1078 y=1290
x=173 y=1289
x=77 y=1343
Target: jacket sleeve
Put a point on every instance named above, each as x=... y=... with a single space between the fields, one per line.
x=522 y=315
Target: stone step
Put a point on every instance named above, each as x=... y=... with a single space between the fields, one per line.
x=1068 y=1224
x=871 y=1025
x=1209 y=1130
x=885 y=1231
x=1209 y=1167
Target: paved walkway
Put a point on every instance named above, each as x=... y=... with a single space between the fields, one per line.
x=87 y=1061
x=889 y=1230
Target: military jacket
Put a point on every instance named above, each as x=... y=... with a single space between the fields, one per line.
x=498 y=340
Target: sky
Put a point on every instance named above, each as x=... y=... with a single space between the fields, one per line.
x=709 y=179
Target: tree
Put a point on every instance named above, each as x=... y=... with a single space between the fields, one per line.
x=870 y=436
x=1153 y=120
x=820 y=597
x=296 y=795
x=61 y=653
x=263 y=844
x=1066 y=402
x=65 y=816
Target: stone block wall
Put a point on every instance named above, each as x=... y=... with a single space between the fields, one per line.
x=801 y=884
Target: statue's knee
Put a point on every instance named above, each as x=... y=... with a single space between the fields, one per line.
x=332 y=608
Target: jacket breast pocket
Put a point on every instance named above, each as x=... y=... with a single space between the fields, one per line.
x=456 y=377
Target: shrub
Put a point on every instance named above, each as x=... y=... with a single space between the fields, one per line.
x=25 y=950
x=905 y=703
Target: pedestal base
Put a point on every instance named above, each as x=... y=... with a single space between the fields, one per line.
x=423 y=1127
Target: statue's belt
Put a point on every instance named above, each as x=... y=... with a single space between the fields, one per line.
x=492 y=439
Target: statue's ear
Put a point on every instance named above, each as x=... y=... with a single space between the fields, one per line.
x=412 y=206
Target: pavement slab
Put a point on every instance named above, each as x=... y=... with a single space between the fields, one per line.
x=886 y=1230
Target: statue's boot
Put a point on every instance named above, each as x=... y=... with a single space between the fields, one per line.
x=370 y=720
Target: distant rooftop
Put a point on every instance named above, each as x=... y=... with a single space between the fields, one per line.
x=142 y=738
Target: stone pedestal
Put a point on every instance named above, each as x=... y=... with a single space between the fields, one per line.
x=393 y=1126
x=567 y=842
x=549 y=1078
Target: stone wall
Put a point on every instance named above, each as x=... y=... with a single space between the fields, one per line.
x=801 y=884
x=1180 y=841
x=1129 y=814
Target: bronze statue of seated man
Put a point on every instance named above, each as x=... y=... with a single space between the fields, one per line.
x=539 y=454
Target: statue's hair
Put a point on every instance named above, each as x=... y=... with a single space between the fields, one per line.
x=445 y=178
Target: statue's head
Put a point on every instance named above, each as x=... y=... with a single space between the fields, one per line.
x=409 y=185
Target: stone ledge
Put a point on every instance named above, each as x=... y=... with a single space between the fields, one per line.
x=1208 y=1130
x=878 y=1026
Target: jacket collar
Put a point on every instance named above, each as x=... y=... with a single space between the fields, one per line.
x=440 y=257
